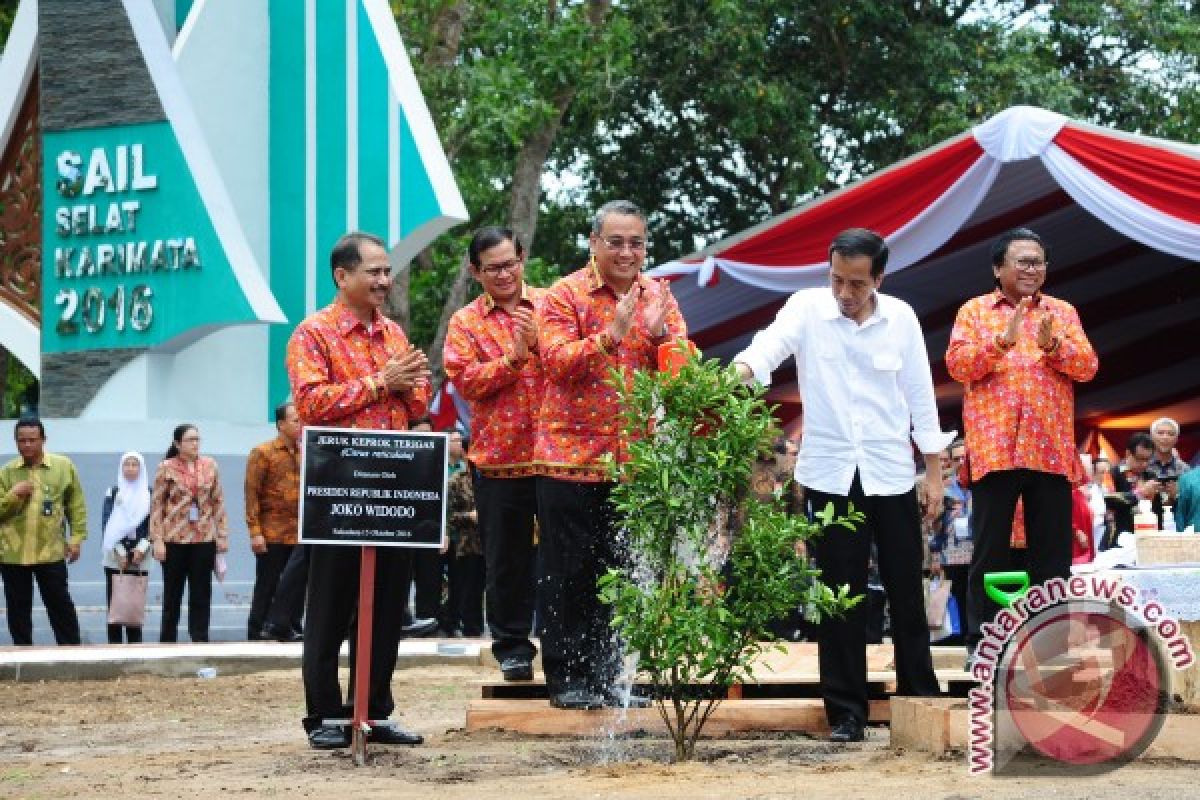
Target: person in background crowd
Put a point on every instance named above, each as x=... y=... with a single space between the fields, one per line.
x=1165 y=466
x=125 y=521
x=427 y=574
x=352 y=367
x=1131 y=485
x=491 y=356
x=864 y=375
x=605 y=316
x=1166 y=463
x=951 y=541
x=1104 y=473
x=272 y=492
x=1187 y=504
x=463 y=614
x=1018 y=353
x=285 y=617
x=188 y=528
x=1094 y=493
x=1083 y=548
x=40 y=496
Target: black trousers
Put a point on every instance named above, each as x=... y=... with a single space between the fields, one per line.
x=893 y=523
x=132 y=633
x=287 y=607
x=333 y=572
x=578 y=545
x=427 y=571
x=52 y=585
x=464 y=606
x=507 y=508
x=268 y=567
x=957 y=575
x=1047 y=500
x=190 y=565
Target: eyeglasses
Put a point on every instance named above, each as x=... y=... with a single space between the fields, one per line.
x=494 y=270
x=1029 y=264
x=617 y=244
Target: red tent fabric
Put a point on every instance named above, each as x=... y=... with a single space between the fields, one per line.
x=1120 y=214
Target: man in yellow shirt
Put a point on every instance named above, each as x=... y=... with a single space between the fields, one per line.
x=39 y=495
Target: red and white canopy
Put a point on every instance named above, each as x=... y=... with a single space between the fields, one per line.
x=1120 y=214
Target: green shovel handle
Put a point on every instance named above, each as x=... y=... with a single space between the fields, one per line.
x=1015 y=585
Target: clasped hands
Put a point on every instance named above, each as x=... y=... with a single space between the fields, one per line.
x=405 y=371
x=1047 y=339
x=654 y=315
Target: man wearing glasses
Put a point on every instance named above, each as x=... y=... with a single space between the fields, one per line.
x=491 y=355
x=605 y=316
x=1017 y=353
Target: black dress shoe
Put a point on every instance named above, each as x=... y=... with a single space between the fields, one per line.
x=848 y=730
x=615 y=699
x=328 y=737
x=576 y=700
x=270 y=631
x=390 y=733
x=516 y=669
x=420 y=627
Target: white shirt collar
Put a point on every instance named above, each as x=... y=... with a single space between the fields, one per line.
x=828 y=309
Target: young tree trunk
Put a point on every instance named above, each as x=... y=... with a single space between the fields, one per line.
x=527 y=176
x=454 y=301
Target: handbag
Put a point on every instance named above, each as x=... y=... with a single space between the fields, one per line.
x=127 y=606
x=937 y=597
x=951 y=623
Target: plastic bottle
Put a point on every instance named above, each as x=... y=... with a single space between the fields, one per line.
x=1168 y=520
x=1145 y=521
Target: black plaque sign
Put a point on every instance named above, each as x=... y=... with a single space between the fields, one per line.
x=366 y=487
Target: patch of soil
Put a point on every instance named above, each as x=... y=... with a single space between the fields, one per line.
x=146 y=737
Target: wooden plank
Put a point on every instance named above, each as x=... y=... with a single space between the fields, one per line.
x=534 y=717
x=785 y=684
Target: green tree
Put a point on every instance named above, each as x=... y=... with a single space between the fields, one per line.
x=742 y=109
x=500 y=78
x=710 y=566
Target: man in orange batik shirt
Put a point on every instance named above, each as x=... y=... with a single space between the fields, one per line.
x=491 y=357
x=352 y=367
x=604 y=316
x=1018 y=353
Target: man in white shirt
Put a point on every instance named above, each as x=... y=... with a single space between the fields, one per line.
x=864 y=378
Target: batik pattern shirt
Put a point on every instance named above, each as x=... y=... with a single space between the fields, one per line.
x=579 y=433
x=504 y=397
x=329 y=357
x=187 y=505
x=28 y=534
x=272 y=491
x=461 y=520
x=1019 y=406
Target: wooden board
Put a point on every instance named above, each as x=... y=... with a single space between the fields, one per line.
x=939 y=725
x=781 y=684
x=537 y=717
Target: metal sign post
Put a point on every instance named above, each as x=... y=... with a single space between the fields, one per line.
x=361 y=726
x=370 y=489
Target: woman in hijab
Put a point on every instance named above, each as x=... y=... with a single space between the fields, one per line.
x=126 y=524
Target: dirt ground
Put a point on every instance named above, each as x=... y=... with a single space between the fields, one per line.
x=143 y=737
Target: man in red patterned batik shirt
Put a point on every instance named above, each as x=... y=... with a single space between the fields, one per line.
x=491 y=357
x=352 y=367
x=1017 y=353
x=604 y=316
